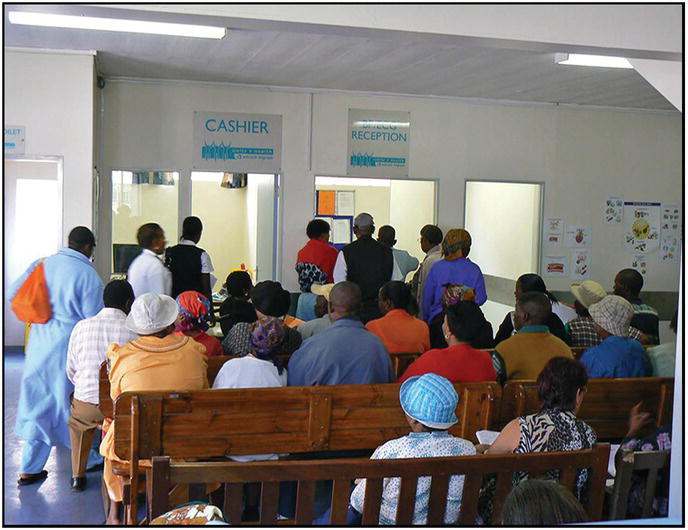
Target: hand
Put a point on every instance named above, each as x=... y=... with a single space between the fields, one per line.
x=481 y=449
x=637 y=420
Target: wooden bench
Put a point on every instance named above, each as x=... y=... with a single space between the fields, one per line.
x=202 y=424
x=164 y=473
x=605 y=407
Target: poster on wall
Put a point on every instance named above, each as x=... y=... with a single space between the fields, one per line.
x=580 y=264
x=613 y=211
x=639 y=262
x=378 y=144
x=577 y=236
x=233 y=142
x=642 y=227
x=671 y=234
x=14 y=139
x=553 y=231
x=555 y=266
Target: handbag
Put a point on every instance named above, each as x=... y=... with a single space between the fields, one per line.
x=31 y=303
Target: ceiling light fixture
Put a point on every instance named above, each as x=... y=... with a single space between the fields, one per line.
x=603 y=61
x=30 y=18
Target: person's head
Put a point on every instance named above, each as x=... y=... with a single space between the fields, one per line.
x=396 y=295
x=318 y=229
x=270 y=299
x=429 y=402
x=387 y=236
x=364 y=225
x=192 y=228
x=612 y=316
x=322 y=299
x=152 y=237
x=239 y=284
x=152 y=314
x=586 y=293
x=345 y=301
x=82 y=240
x=531 y=282
x=536 y=502
x=463 y=322
x=320 y=306
x=118 y=294
x=194 y=311
x=533 y=308
x=267 y=334
x=562 y=384
x=453 y=293
x=430 y=236
x=628 y=283
x=456 y=244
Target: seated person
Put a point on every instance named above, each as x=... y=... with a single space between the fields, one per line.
x=524 y=355
x=429 y=403
x=524 y=284
x=158 y=360
x=617 y=355
x=193 y=321
x=663 y=357
x=537 y=502
x=398 y=329
x=314 y=265
x=452 y=294
x=269 y=299
x=581 y=330
x=628 y=283
x=460 y=362
x=561 y=388
x=237 y=308
x=322 y=318
x=345 y=353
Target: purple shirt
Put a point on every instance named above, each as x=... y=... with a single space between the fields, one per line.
x=462 y=271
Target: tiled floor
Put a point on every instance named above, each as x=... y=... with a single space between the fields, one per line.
x=51 y=502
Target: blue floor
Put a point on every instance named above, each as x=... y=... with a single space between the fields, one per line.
x=51 y=502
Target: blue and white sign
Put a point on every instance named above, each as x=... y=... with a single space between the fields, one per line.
x=378 y=143
x=14 y=139
x=237 y=143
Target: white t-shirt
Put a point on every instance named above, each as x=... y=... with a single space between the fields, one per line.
x=148 y=274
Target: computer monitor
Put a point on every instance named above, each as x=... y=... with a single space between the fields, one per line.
x=123 y=255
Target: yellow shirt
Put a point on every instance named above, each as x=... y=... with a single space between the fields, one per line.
x=527 y=352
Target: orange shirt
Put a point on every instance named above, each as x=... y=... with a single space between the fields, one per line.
x=400 y=332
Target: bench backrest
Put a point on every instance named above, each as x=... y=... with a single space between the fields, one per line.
x=209 y=423
x=164 y=473
x=605 y=407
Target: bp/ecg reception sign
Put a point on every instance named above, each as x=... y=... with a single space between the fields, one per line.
x=378 y=143
x=238 y=143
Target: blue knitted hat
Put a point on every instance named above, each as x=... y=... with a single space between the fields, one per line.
x=430 y=399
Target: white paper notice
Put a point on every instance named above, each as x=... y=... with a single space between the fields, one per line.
x=577 y=236
x=341 y=232
x=486 y=437
x=639 y=263
x=580 y=264
x=613 y=211
x=345 y=203
x=671 y=233
x=553 y=231
x=642 y=227
x=555 y=266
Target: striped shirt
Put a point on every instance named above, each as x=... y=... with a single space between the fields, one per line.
x=88 y=346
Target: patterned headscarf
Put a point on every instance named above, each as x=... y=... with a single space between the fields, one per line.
x=267 y=334
x=194 y=311
x=455 y=292
x=456 y=244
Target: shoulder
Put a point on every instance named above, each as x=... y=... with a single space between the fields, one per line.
x=462 y=447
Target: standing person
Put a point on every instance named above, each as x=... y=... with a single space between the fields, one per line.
x=368 y=264
x=194 y=321
x=314 y=265
x=190 y=266
x=406 y=263
x=87 y=350
x=237 y=307
x=430 y=243
x=628 y=283
x=147 y=274
x=76 y=293
x=454 y=268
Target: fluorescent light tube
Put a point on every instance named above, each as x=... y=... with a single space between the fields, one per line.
x=603 y=61
x=115 y=24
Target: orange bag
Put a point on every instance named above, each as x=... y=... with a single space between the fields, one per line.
x=32 y=301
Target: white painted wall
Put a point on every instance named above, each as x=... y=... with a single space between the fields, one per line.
x=51 y=94
x=582 y=156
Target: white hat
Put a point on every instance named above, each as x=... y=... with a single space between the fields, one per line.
x=613 y=314
x=322 y=290
x=363 y=220
x=151 y=313
x=588 y=292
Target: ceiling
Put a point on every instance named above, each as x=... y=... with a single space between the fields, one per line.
x=328 y=61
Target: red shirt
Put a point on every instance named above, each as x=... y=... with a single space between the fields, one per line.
x=212 y=345
x=321 y=254
x=460 y=363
